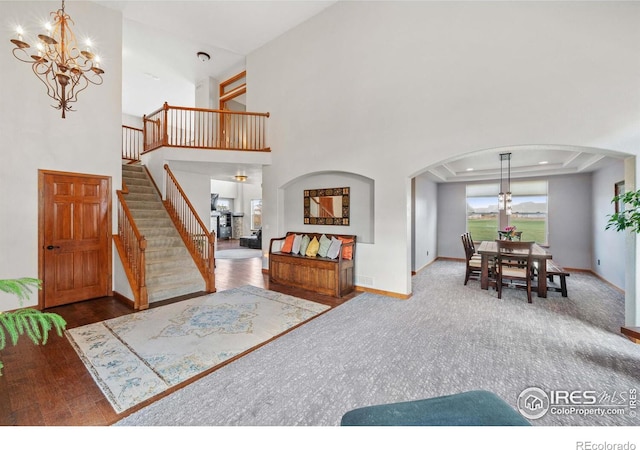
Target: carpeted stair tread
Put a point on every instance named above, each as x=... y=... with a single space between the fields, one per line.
x=131 y=182
x=157 y=231
x=164 y=241
x=137 y=178
x=178 y=263
x=164 y=292
x=160 y=253
x=142 y=197
x=141 y=189
x=148 y=214
x=170 y=277
x=150 y=222
x=135 y=205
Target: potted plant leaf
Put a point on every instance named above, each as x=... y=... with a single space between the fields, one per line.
x=628 y=215
x=35 y=324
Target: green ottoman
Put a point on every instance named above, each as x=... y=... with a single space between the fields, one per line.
x=473 y=408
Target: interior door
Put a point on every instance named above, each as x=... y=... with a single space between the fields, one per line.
x=75 y=225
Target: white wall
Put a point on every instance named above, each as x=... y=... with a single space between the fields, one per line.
x=207 y=94
x=570 y=223
x=196 y=187
x=34 y=136
x=386 y=89
x=425 y=222
x=452 y=219
x=132 y=121
x=608 y=245
x=226 y=189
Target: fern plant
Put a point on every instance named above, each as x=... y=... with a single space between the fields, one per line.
x=627 y=217
x=35 y=324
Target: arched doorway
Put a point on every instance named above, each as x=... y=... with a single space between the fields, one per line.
x=607 y=254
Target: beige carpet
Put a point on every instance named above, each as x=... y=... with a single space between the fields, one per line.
x=447 y=338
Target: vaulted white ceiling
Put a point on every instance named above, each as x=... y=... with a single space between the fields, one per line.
x=161 y=40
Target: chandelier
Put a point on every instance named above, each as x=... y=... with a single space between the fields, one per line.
x=59 y=63
x=504 y=200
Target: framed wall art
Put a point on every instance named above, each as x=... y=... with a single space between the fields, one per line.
x=328 y=206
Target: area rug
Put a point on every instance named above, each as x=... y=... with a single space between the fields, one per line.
x=138 y=356
x=239 y=253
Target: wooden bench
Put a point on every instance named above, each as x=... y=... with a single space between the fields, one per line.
x=553 y=270
x=335 y=277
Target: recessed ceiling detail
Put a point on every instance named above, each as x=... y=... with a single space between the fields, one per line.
x=526 y=161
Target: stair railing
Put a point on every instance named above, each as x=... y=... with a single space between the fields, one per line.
x=198 y=239
x=132 y=143
x=131 y=247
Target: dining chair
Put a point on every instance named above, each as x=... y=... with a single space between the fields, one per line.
x=514 y=265
x=472 y=245
x=473 y=260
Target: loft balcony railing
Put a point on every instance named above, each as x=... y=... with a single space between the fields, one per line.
x=197 y=128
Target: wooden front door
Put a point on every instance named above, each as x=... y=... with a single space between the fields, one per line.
x=75 y=232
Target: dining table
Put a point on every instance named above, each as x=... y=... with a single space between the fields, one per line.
x=489 y=250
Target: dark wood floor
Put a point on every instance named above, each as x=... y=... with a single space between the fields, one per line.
x=49 y=385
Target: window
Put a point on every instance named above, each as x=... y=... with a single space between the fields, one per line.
x=482 y=211
x=529 y=200
x=256 y=214
x=529 y=206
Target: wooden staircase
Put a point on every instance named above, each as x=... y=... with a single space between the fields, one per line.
x=169 y=267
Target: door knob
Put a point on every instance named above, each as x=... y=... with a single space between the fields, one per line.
x=51 y=247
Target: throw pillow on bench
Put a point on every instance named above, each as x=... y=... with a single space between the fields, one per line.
x=324 y=247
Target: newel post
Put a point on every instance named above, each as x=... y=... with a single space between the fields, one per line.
x=143 y=296
x=211 y=279
x=165 y=134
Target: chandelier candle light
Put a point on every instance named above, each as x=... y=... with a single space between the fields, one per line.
x=59 y=63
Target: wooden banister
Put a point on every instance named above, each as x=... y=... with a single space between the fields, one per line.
x=196 y=236
x=132 y=143
x=179 y=126
x=131 y=246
